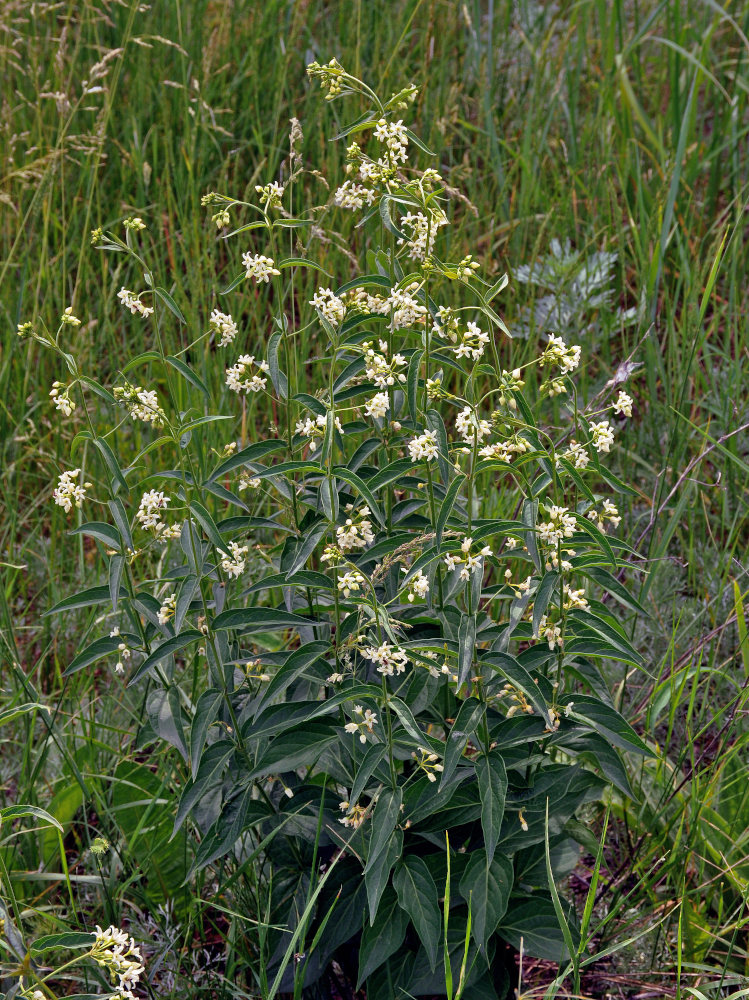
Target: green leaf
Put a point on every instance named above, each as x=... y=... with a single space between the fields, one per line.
x=185 y=594
x=92 y=653
x=608 y=723
x=598 y=536
x=383 y=938
x=376 y=877
x=259 y=619
x=542 y=598
x=492 y=782
x=294 y=666
x=111 y=463
x=519 y=677
x=209 y=526
x=298 y=748
x=496 y=288
x=532 y=920
x=341 y=472
x=529 y=517
x=486 y=885
x=614 y=587
x=167 y=648
x=446 y=507
x=306 y=546
x=301 y=262
x=169 y=302
x=83 y=599
x=376 y=753
x=116 y=569
x=435 y=423
x=250 y=454
x=9 y=714
x=277 y=377
x=387 y=219
x=165 y=716
x=467 y=720
x=119 y=515
x=100 y=529
x=206 y=711
x=384 y=821
x=417 y=895
x=594 y=624
x=66 y=941
x=10 y=813
x=391 y=473
x=236 y=281
x=466 y=647
x=188 y=374
x=414 y=367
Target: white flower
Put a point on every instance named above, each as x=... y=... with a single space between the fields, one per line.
x=331 y=307
x=270 y=194
x=574 y=598
x=350 y=582
x=120 y=956
x=551 y=632
x=241 y=378
x=314 y=429
x=132 y=302
x=469 y=426
x=149 y=510
x=609 y=512
x=393 y=135
x=452 y=561
x=355 y=534
x=134 y=223
x=623 y=405
x=364 y=726
x=259 y=267
x=557 y=353
x=423 y=447
x=234 y=565
x=577 y=455
x=423 y=232
x=62 y=400
x=419 y=587
x=561 y=524
x=389 y=659
x=472 y=343
x=382 y=372
x=141 y=404
x=405 y=307
x=68 y=319
x=378 y=405
x=224 y=326
x=68 y=493
x=248 y=482
x=167 y=609
x=353 y=196
x=603 y=435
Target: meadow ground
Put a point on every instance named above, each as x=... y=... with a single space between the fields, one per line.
x=601 y=148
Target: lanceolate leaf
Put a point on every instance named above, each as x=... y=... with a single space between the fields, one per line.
x=492 y=781
x=465 y=725
x=259 y=619
x=542 y=598
x=466 y=647
x=172 y=645
x=92 y=653
x=384 y=937
x=417 y=895
x=518 y=676
x=83 y=599
x=608 y=722
x=341 y=472
x=487 y=885
x=249 y=454
x=384 y=820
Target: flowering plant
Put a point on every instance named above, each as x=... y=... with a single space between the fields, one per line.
x=394 y=628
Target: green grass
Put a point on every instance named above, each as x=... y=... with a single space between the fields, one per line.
x=617 y=126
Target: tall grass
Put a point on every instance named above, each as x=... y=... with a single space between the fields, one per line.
x=619 y=126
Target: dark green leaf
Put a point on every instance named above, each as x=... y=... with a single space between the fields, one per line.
x=208 y=525
x=65 y=941
x=259 y=619
x=278 y=378
x=250 y=454
x=167 y=648
x=83 y=599
x=492 y=782
x=487 y=886
x=542 y=598
x=465 y=725
x=188 y=374
x=111 y=463
x=341 y=472
x=383 y=938
x=106 y=533
x=384 y=821
x=169 y=302
x=608 y=723
x=417 y=895
x=466 y=647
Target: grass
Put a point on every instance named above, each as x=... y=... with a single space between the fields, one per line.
x=618 y=126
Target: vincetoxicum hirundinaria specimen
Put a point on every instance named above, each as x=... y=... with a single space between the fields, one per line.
x=381 y=623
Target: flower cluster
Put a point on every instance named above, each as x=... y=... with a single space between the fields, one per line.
x=141 y=404
x=470 y=427
x=259 y=267
x=389 y=659
x=62 y=400
x=468 y=562
x=379 y=370
x=133 y=302
x=69 y=493
x=167 y=610
x=148 y=514
x=234 y=565
x=472 y=343
x=423 y=447
x=314 y=429
x=558 y=353
x=356 y=532
x=224 y=326
x=241 y=378
x=119 y=955
x=350 y=582
x=428 y=762
x=365 y=725
x=330 y=306
x=561 y=524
